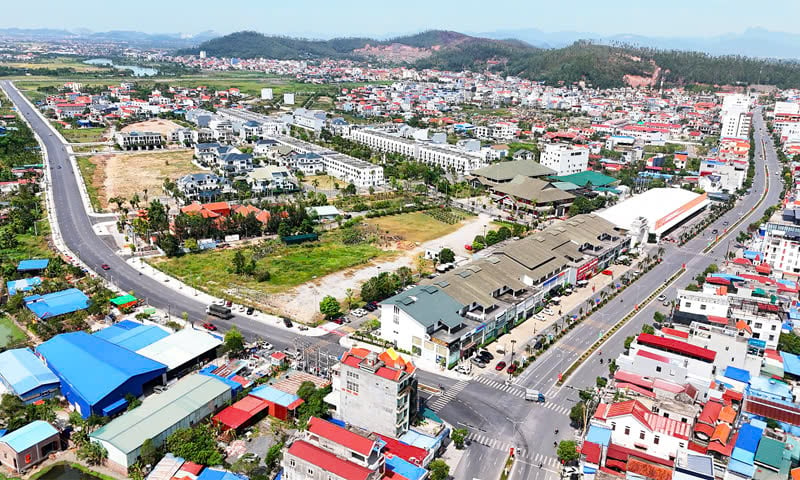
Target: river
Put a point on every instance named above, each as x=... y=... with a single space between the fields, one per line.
x=138 y=71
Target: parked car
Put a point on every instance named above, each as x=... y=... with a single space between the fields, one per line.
x=549 y=311
x=267 y=346
x=538 y=316
x=338 y=320
x=512 y=368
x=369 y=308
x=228 y=303
x=242 y=308
x=478 y=362
x=500 y=366
x=210 y=326
x=105 y=266
x=250 y=310
x=485 y=355
x=661 y=297
x=287 y=322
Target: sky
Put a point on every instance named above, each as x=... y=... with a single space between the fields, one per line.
x=386 y=18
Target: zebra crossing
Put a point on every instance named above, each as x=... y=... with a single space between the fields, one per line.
x=449 y=394
x=503 y=387
x=556 y=408
x=533 y=458
x=536 y=458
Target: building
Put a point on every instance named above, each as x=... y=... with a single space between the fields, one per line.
x=736 y=124
x=96 y=375
x=271 y=179
x=279 y=404
x=29 y=445
x=139 y=140
x=183 y=350
x=375 y=391
x=309 y=119
x=242 y=413
x=58 y=303
x=182 y=405
x=565 y=159
x=504 y=172
x=202 y=186
x=330 y=452
x=352 y=170
x=309 y=163
x=131 y=335
x=24 y=375
x=531 y=195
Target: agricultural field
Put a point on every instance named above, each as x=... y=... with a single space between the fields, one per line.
x=10 y=333
x=122 y=174
x=289 y=266
x=414 y=227
x=59 y=62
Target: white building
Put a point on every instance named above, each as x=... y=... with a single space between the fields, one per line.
x=736 y=124
x=310 y=119
x=352 y=170
x=139 y=140
x=565 y=159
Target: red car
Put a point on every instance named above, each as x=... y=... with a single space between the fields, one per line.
x=210 y=326
x=500 y=366
x=512 y=368
x=105 y=266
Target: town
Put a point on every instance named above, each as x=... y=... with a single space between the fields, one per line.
x=357 y=263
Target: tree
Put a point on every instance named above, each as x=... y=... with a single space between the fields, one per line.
x=234 y=342
x=196 y=444
x=150 y=453
x=274 y=455
x=92 y=453
x=446 y=256
x=567 y=451
x=238 y=262
x=247 y=464
x=601 y=381
x=649 y=329
x=439 y=470
x=170 y=245
x=458 y=436
x=348 y=296
x=628 y=341
x=492 y=237
x=157 y=217
x=576 y=414
x=350 y=189
x=329 y=307
x=191 y=244
x=306 y=390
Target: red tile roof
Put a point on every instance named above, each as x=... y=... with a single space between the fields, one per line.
x=592 y=452
x=635 y=388
x=619 y=452
x=767 y=408
x=624 y=376
x=405 y=451
x=648 y=470
x=328 y=461
x=652 y=356
x=340 y=435
x=677 y=346
x=655 y=423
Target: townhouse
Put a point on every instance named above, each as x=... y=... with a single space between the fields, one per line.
x=202 y=186
x=139 y=140
x=271 y=179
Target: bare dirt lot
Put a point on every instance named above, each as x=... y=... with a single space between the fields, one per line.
x=164 y=127
x=122 y=174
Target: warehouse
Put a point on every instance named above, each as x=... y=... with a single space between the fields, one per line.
x=131 y=335
x=58 y=303
x=28 y=445
x=96 y=375
x=655 y=212
x=24 y=375
x=182 y=350
x=184 y=404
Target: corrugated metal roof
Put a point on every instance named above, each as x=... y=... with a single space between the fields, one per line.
x=23 y=371
x=25 y=437
x=180 y=347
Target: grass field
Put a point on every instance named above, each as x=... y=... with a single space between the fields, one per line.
x=82 y=135
x=325 y=182
x=289 y=266
x=122 y=175
x=59 y=62
x=413 y=227
x=10 y=334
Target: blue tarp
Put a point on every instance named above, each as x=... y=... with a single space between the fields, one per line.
x=727 y=276
x=791 y=363
x=752 y=254
x=214 y=474
x=405 y=468
x=737 y=374
x=599 y=435
x=23 y=285
x=33 y=264
x=58 y=303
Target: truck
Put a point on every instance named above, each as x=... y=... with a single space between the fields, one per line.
x=219 y=311
x=534 y=395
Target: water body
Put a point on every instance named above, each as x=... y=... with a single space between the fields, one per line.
x=138 y=71
x=65 y=472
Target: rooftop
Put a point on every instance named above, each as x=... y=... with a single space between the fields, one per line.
x=25 y=437
x=23 y=371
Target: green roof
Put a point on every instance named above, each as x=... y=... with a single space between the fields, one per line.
x=597 y=179
x=505 y=171
x=429 y=305
x=770 y=452
x=565 y=186
x=123 y=300
x=163 y=412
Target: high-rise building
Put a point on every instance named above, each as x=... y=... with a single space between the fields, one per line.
x=565 y=159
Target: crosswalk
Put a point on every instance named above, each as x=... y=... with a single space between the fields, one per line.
x=531 y=457
x=503 y=387
x=449 y=394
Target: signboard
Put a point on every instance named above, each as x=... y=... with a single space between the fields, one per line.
x=587 y=269
x=680 y=211
x=231 y=238
x=553 y=279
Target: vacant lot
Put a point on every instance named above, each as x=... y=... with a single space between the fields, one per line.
x=164 y=127
x=413 y=227
x=122 y=175
x=289 y=266
x=323 y=182
x=10 y=334
x=83 y=135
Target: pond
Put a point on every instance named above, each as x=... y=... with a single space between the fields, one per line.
x=66 y=472
x=138 y=71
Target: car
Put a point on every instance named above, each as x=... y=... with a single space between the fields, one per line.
x=485 y=355
x=661 y=297
x=250 y=310
x=500 y=366
x=105 y=266
x=160 y=389
x=714 y=232
x=210 y=326
x=242 y=308
x=228 y=303
x=478 y=362
x=512 y=368
x=666 y=303
x=338 y=320
x=725 y=223
x=267 y=346
x=538 y=316
x=369 y=308
x=287 y=322
x=549 y=311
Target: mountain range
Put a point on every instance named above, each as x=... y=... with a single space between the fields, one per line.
x=139 y=39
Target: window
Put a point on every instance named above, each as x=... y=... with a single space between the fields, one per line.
x=352 y=386
x=703 y=306
x=396 y=315
x=772 y=327
x=641 y=434
x=627 y=430
x=656 y=439
x=682 y=445
x=351 y=374
x=613 y=425
x=658 y=368
x=758 y=325
x=687 y=304
x=291 y=463
x=310 y=472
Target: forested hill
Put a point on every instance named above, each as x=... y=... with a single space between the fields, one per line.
x=599 y=65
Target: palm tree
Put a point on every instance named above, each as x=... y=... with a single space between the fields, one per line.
x=315 y=184
x=349 y=298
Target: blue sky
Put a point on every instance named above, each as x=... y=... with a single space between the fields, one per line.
x=382 y=18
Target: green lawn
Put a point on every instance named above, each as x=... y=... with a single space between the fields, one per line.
x=289 y=265
x=87 y=169
x=82 y=135
x=10 y=333
x=413 y=227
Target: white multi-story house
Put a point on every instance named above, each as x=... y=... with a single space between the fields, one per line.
x=377 y=392
x=270 y=179
x=352 y=170
x=565 y=159
x=139 y=140
x=202 y=186
x=310 y=119
x=308 y=163
x=449 y=159
x=736 y=124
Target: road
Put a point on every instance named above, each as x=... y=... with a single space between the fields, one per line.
x=496 y=414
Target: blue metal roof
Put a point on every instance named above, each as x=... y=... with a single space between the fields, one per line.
x=131 y=335
x=737 y=374
x=416 y=439
x=214 y=474
x=21 y=370
x=33 y=264
x=791 y=363
x=405 y=468
x=274 y=395
x=24 y=438
x=748 y=439
x=599 y=435
x=23 y=285
x=770 y=387
x=92 y=366
x=58 y=303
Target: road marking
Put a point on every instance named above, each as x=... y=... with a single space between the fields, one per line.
x=494 y=443
x=449 y=394
x=509 y=389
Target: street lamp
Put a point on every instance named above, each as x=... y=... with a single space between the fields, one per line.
x=513 y=342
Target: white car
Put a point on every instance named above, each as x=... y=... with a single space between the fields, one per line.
x=359 y=312
x=268 y=346
x=241 y=308
x=549 y=311
x=538 y=316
